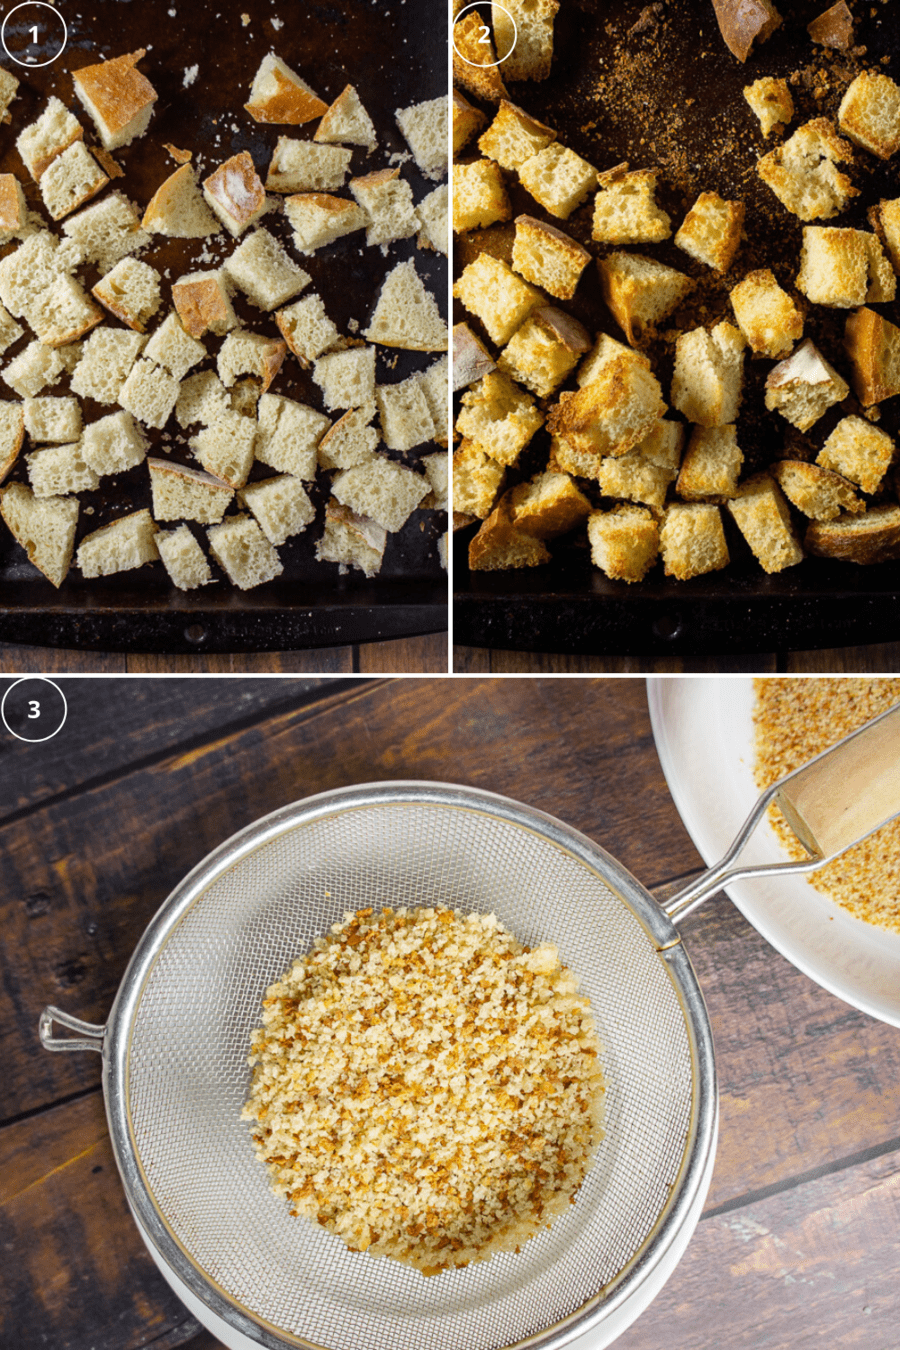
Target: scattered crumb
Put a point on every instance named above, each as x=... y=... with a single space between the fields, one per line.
x=190 y=75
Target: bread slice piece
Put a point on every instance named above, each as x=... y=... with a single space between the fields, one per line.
x=491 y=291
x=351 y=540
x=183 y=493
x=802 y=171
x=382 y=490
x=243 y=552
x=263 y=271
x=245 y=353
x=872 y=344
x=348 y=442
x=183 y=558
x=709 y=375
x=307 y=329
x=612 y=414
x=842 y=267
x=804 y=386
x=833 y=27
x=319 y=219
x=62 y=313
x=547 y=257
x=770 y=99
x=118 y=97
x=499 y=545
x=406 y=419
x=558 y=179
x=477 y=480
x=499 y=417
x=711 y=231
x=870 y=113
x=407 y=315
x=13 y=208
x=346 y=378
x=235 y=193
x=387 y=201
x=513 y=136
x=475 y=64
x=471 y=359
x=278 y=94
x=544 y=350
x=766 y=314
x=743 y=22
x=347 y=122
x=45 y=528
x=203 y=303
x=301 y=166
x=107 y=231
x=44 y=140
x=865 y=539
x=885 y=221
x=712 y=464
x=281 y=507
x=625 y=210
x=425 y=128
x=226 y=447
x=107 y=359
x=149 y=393
x=433 y=211
x=56 y=420
x=122 y=545
x=859 y=452
x=288 y=436
x=59 y=471
x=177 y=208
x=817 y=492
x=72 y=179
x=692 y=541
x=641 y=292
x=467 y=119
x=763 y=518
x=131 y=291
x=33 y=369
x=548 y=505
x=524 y=29
x=113 y=443
x=624 y=542
x=479 y=196
x=201 y=398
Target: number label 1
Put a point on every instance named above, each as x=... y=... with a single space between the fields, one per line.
x=34 y=34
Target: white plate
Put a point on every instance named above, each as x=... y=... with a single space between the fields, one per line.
x=704 y=737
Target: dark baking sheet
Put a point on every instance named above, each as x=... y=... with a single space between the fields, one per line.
x=388 y=51
x=671 y=96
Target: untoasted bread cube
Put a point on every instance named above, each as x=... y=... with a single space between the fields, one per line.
x=30 y=269
x=885 y=220
x=870 y=114
x=405 y=416
x=858 y=451
x=124 y=544
x=13 y=207
x=72 y=179
x=182 y=493
x=351 y=540
x=244 y=353
x=763 y=518
x=107 y=231
x=307 y=329
x=692 y=541
x=605 y=350
x=33 y=369
x=815 y=491
x=319 y=219
x=382 y=490
x=545 y=256
x=59 y=470
x=288 y=436
x=614 y=413
x=843 y=267
x=45 y=528
x=350 y=441
x=387 y=201
x=466 y=121
x=108 y=357
x=524 y=29
x=802 y=172
x=766 y=315
x=869 y=538
x=183 y=558
x=301 y=166
x=113 y=444
x=479 y=196
x=558 y=179
x=433 y=212
x=203 y=303
x=264 y=272
x=425 y=127
x=475 y=64
x=225 y=448
x=62 y=313
x=201 y=398
x=243 y=552
x=804 y=386
x=149 y=393
x=624 y=542
x=873 y=346
x=513 y=137
x=118 y=97
x=476 y=480
x=131 y=291
x=709 y=373
x=53 y=419
x=548 y=505
x=499 y=545
x=641 y=292
x=771 y=100
x=235 y=193
x=494 y=294
x=278 y=94
x=177 y=208
x=711 y=231
x=10 y=331
x=499 y=417
x=347 y=378
x=45 y=139
x=544 y=350
x=711 y=465
x=437 y=471
x=625 y=211
x=9 y=86
x=434 y=384
x=280 y=505
x=347 y=121
x=407 y=315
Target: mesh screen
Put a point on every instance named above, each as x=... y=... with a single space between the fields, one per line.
x=189 y=1077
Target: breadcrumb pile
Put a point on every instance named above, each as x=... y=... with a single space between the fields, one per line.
x=796 y=719
x=426 y=1087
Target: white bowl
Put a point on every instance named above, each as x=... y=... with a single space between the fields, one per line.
x=704 y=737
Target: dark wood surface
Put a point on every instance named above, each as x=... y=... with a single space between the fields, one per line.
x=880 y=659
x=798 y=1245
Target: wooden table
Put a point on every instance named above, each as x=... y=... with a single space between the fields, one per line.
x=799 y=1244
x=881 y=658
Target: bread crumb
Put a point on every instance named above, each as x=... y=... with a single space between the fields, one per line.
x=190 y=75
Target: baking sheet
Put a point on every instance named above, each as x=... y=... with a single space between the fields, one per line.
x=389 y=53
x=671 y=96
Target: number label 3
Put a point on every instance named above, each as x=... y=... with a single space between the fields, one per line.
x=34 y=708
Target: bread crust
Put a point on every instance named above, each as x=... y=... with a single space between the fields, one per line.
x=871 y=538
x=117 y=89
x=289 y=105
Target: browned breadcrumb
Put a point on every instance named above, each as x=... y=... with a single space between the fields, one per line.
x=796 y=719
x=426 y=1087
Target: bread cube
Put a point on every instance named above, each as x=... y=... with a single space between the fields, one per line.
x=762 y=516
x=548 y=505
x=131 y=291
x=605 y=350
x=53 y=419
x=236 y=194
x=107 y=358
x=33 y=369
x=872 y=344
x=264 y=272
x=301 y=166
x=804 y=386
x=499 y=417
x=859 y=452
x=711 y=465
x=281 y=507
x=351 y=540
x=424 y=127
x=437 y=471
x=817 y=492
x=434 y=383
x=226 y=447
x=245 y=353
x=544 y=350
x=711 y=231
x=382 y=490
x=346 y=378
x=641 y=292
x=13 y=207
x=802 y=171
x=771 y=100
x=873 y=537
x=203 y=304
x=319 y=219
x=842 y=267
x=288 y=436
x=524 y=29
x=9 y=87
x=44 y=140
x=833 y=27
x=885 y=221
x=10 y=331
x=59 y=470
x=183 y=493
x=62 y=313
x=766 y=315
x=433 y=211
x=30 y=269
x=201 y=398
x=348 y=122
x=624 y=542
x=499 y=545
x=870 y=113
x=149 y=393
x=466 y=121
x=612 y=414
x=405 y=416
x=113 y=444
x=177 y=208
x=183 y=558
x=542 y=254
x=44 y=527
x=107 y=231
x=692 y=541
x=243 y=552
x=479 y=196
x=471 y=359
x=625 y=211
x=387 y=201
x=407 y=315
x=558 y=179
x=709 y=374
x=348 y=442
x=72 y=179
x=122 y=545
x=512 y=137
x=475 y=64
x=278 y=94
x=644 y=473
x=476 y=480
x=118 y=97
x=494 y=294
x=307 y=329
x=12 y=434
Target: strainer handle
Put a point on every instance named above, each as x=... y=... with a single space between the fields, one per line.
x=91 y=1038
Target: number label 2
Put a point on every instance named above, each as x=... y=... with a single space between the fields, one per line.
x=485 y=36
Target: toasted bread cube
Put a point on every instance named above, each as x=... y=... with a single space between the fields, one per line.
x=762 y=516
x=149 y=393
x=307 y=329
x=641 y=292
x=243 y=552
x=545 y=256
x=113 y=444
x=711 y=231
x=387 y=201
x=477 y=480
x=44 y=140
x=624 y=542
x=44 y=527
x=433 y=212
x=605 y=350
x=564 y=458
x=844 y=268
x=424 y=127
x=833 y=27
x=885 y=221
x=226 y=447
x=804 y=386
x=288 y=436
x=471 y=359
x=107 y=231
x=873 y=346
x=500 y=545
x=177 y=208
x=301 y=166
x=873 y=537
x=663 y=445
x=9 y=87
x=347 y=122
x=870 y=114
x=524 y=29
x=548 y=505
x=244 y=353
x=183 y=493
x=52 y=419
x=107 y=358
x=183 y=558
x=236 y=194
x=348 y=442
x=263 y=271
x=513 y=137
x=201 y=398
x=33 y=369
x=494 y=294
x=407 y=315
x=771 y=100
x=711 y=465
x=62 y=313
x=405 y=416
x=278 y=94
x=203 y=304
x=13 y=207
x=72 y=179
x=543 y=351
x=318 y=219
x=692 y=541
x=558 y=179
x=625 y=211
x=499 y=417
x=351 y=540
x=802 y=171
x=118 y=97
x=122 y=545
x=381 y=490
x=766 y=315
x=709 y=374
x=131 y=291
x=858 y=451
x=280 y=505
x=634 y=478
x=346 y=378
x=467 y=119
x=475 y=64
x=479 y=196
x=817 y=492
x=612 y=414
x=59 y=470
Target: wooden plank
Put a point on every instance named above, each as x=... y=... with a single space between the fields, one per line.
x=56 y=660
x=477 y=660
x=471 y=660
x=314 y=661
x=874 y=660
x=419 y=655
